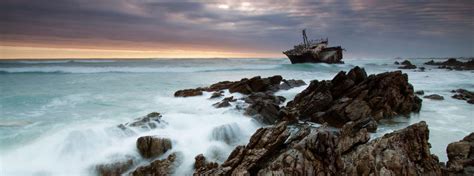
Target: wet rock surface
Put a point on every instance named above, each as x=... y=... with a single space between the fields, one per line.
x=161 y=167
x=434 y=97
x=453 y=64
x=264 y=107
x=406 y=64
x=461 y=156
x=304 y=150
x=356 y=97
x=114 y=169
x=463 y=94
x=150 y=146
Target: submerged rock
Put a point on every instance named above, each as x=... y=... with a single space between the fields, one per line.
x=150 y=147
x=356 y=97
x=420 y=92
x=434 y=97
x=284 y=150
x=217 y=94
x=162 y=167
x=461 y=156
x=463 y=94
x=228 y=133
x=150 y=121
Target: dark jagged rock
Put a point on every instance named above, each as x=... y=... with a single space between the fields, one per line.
x=244 y=86
x=461 y=156
x=288 y=84
x=114 y=169
x=434 y=97
x=303 y=150
x=453 y=63
x=463 y=94
x=420 y=92
x=264 y=107
x=407 y=65
x=189 y=92
x=150 y=147
x=225 y=102
x=162 y=167
x=396 y=63
x=355 y=96
x=202 y=164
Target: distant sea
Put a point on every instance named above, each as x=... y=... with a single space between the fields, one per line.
x=60 y=117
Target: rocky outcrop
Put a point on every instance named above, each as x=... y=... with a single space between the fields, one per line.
x=201 y=163
x=434 y=97
x=244 y=86
x=355 y=97
x=114 y=169
x=303 y=150
x=453 y=64
x=161 y=167
x=461 y=156
x=420 y=92
x=463 y=94
x=150 y=146
x=264 y=107
x=406 y=64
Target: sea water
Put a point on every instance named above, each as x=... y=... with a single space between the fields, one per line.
x=60 y=117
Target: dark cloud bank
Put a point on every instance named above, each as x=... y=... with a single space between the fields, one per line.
x=365 y=28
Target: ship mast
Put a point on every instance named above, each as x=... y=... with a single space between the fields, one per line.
x=305 y=39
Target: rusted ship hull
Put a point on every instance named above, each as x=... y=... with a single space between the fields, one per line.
x=327 y=55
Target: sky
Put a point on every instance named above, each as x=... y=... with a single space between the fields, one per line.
x=233 y=28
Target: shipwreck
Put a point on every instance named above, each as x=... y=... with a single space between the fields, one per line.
x=314 y=51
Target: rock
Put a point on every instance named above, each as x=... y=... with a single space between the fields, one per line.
x=288 y=84
x=396 y=63
x=420 y=92
x=189 y=92
x=228 y=133
x=150 y=121
x=453 y=63
x=462 y=94
x=150 y=147
x=114 y=169
x=434 y=97
x=461 y=156
x=304 y=150
x=217 y=94
x=201 y=164
x=355 y=96
x=407 y=65
x=264 y=107
x=244 y=86
x=225 y=102
x=422 y=69
x=162 y=167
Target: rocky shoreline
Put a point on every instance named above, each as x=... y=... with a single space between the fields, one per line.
x=348 y=108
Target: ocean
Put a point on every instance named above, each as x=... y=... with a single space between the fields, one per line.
x=60 y=117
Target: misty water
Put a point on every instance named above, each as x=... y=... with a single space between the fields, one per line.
x=60 y=117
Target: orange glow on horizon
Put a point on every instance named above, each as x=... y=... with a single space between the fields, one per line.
x=24 y=52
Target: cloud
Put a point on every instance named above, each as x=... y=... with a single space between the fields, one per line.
x=363 y=27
